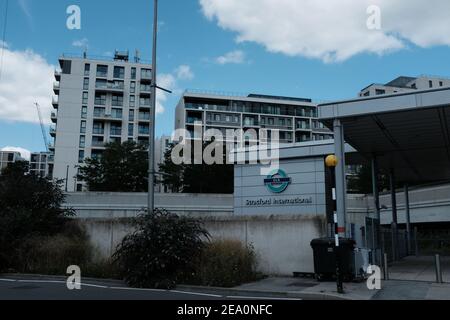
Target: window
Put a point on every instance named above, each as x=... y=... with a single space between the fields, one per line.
x=144 y=116
x=271 y=121
x=282 y=122
x=217 y=117
x=102 y=71
x=430 y=84
x=66 y=67
x=85 y=97
x=83 y=127
x=100 y=99
x=87 y=69
x=116 y=130
x=441 y=84
x=144 y=101
x=79 y=187
x=98 y=128
x=116 y=113
x=81 y=156
x=83 y=112
x=130 y=130
x=146 y=73
x=82 y=141
x=145 y=87
x=380 y=92
x=133 y=73
x=133 y=87
x=117 y=100
x=119 y=72
x=98 y=142
x=99 y=112
x=228 y=118
x=131 y=116
x=86 y=84
x=132 y=101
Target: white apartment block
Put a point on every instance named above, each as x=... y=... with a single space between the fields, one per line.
x=405 y=84
x=41 y=164
x=8 y=157
x=295 y=118
x=96 y=102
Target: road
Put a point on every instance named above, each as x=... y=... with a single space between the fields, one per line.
x=56 y=289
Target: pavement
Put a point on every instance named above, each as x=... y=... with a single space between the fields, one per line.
x=420 y=268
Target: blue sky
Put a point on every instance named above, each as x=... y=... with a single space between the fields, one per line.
x=187 y=37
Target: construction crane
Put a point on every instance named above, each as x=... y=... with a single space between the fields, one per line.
x=44 y=134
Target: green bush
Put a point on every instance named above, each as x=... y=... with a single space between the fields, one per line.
x=53 y=254
x=226 y=263
x=161 y=249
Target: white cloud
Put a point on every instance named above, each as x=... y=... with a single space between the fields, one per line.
x=26 y=78
x=184 y=72
x=169 y=81
x=26 y=154
x=332 y=30
x=81 y=43
x=236 y=57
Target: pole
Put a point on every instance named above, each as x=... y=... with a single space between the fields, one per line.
x=438 y=269
x=341 y=188
x=151 y=139
x=408 y=219
x=376 y=197
x=340 y=288
x=394 y=216
x=386 y=267
x=67 y=178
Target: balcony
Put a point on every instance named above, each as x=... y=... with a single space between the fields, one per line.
x=53 y=131
x=98 y=131
x=98 y=144
x=56 y=87
x=144 y=117
x=192 y=120
x=51 y=146
x=146 y=76
x=110 y=86
x=277 y=126
x=58 y=75
x=55 y=102
x=54 y=117
x=144 y=131
x=115 y=132
x=305 y=127
x=223 y=123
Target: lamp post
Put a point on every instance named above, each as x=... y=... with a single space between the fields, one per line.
x=151 y=138
x=331 y=162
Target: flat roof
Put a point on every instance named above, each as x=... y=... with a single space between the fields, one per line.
x=249 y=97
x=409 y=131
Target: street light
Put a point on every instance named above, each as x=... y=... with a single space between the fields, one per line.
x=331 y=162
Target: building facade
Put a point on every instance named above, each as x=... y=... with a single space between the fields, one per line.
x=295 y=118
x=97 y=102
x=41 y=164
x=405 y=84
x=8 y=157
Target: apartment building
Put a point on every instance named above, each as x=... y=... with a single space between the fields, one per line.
x=96 y=102
x=8 y=157
x=295 y=118
x=405 y=84
x=41 y=164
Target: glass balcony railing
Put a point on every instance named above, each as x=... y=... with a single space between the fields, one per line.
x=115 y=132
x=98 y=131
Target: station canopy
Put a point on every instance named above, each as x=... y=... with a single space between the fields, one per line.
x=407 y=132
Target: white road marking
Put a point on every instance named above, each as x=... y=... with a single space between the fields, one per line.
x=262 y=298
x=197 y=294
x=138 y=289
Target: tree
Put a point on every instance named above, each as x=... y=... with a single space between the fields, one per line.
x=29 y=206
x=172 y=174
x=121 y=168
x=197 y=178
x=160 y=250
x=362 y=182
